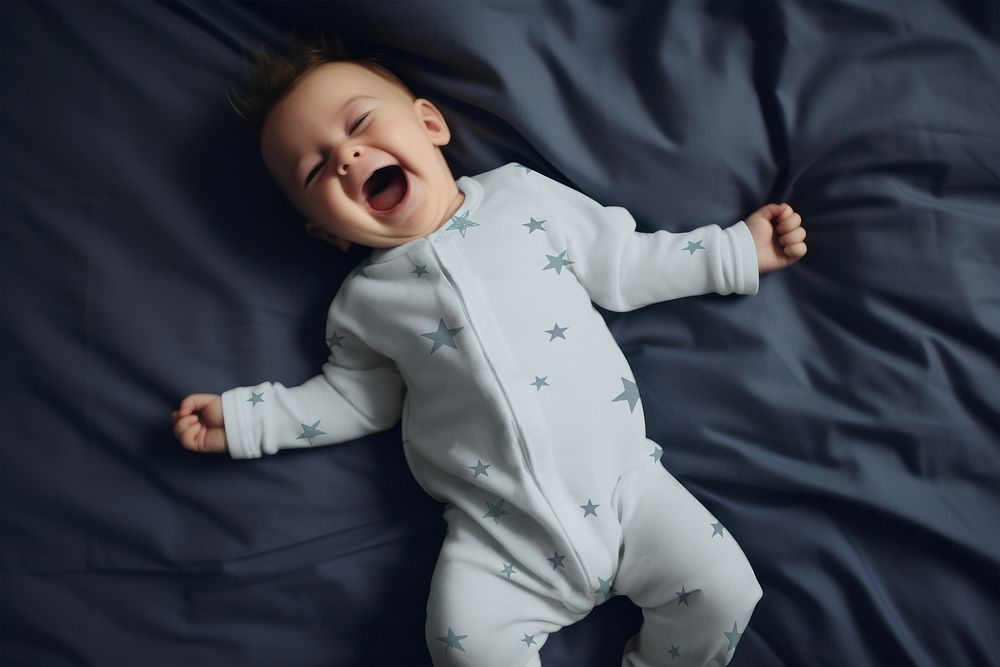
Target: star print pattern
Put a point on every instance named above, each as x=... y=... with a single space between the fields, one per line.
x=540 y=382
x=631 y=394
x=495 y=511
x=557 y=262
x=590 y=508
x=443 y=336
x=604 y=587
x=480 y=468
x=452 y=332
x=557 y=332
x=733 y=637
x=335 y=340
x=461 y=223
x=310 y=432
x=691 y=247
x=534 y=225
x=451 y=640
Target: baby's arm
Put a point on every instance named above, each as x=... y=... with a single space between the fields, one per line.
x=358 y=392
x=623 y=269
x=340 y=404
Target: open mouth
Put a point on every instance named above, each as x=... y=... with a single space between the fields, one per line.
x=385 y=188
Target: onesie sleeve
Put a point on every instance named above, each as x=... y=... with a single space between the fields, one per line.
x=623 y=269
x=358 y=392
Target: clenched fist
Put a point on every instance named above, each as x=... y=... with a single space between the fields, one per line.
x=778 y=235
x=199 y=425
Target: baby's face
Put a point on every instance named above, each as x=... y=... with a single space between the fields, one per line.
x=343 y=123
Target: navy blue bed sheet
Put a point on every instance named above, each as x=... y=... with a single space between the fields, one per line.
x=842 y=424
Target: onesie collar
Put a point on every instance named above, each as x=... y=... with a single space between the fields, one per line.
x=473 y=192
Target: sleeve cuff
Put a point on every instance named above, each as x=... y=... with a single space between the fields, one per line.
x=746 y=278
x=240 y=428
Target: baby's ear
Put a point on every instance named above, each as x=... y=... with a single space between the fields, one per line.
x=433 y=120
x=320 y=233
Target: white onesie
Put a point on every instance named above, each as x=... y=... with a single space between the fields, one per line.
x=519 y=410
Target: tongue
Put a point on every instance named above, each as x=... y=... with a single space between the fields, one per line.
x=393 y=193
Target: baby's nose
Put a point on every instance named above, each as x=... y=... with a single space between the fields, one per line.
x=347 y=162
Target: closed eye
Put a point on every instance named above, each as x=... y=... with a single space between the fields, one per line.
x=315 y=170
x=358 y=122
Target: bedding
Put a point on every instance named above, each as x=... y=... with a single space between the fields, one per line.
x=843 y=424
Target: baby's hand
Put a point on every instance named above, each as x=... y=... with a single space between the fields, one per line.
x=207 y=434
x=778 y=245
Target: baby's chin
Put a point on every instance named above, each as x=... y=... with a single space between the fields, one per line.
x=392 y=238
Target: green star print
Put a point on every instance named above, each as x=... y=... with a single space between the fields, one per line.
x=496 y=511
x=335 y=340
x=733 y=637
x=452 y=640
x=557 y=262
x=310 y=432
x=540 y=382
x=461 y=223
x=443 y=336
x=631 y=394
x=694 y=246
x=533 y=225
x=480 y=468
x=605 y=587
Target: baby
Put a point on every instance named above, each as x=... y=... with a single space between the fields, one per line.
x=472 y=320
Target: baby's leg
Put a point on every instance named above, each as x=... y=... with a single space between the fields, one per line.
x=484 y=609
x=693 y=582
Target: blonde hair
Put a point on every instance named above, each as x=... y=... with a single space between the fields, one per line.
x=271 y=75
